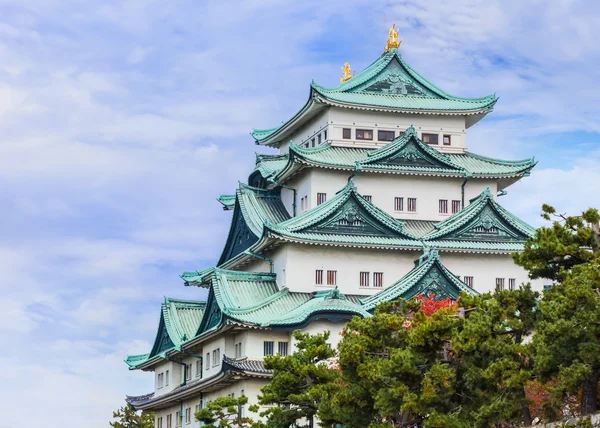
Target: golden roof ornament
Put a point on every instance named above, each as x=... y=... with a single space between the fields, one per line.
x=345 y=72
x=393 y=41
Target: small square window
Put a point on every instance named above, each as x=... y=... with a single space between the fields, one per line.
x=321 y=197
x=319 y=139
x=398 y=204
x=512 y=283
x=331 y=277
x=385 y=135
x=447 y=140
x=368 y=197
x=346 y=133
x=364 y=279
x=319 y=277
x=443 y=206
x=268 y=348
x=412 y=204
x=282 y=349
x=430 y=138
x=312 y=142
x=455 y=206
x=364 y=134
x=499 y=284
x=468 y=280
x=378 y=279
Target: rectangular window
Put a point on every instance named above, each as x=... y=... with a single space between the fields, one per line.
x=167 y=378
x=169 y=421
x=455 y=207
x=443 y=206
x=499 y=284
x=346 y=133
x=159 y=424
x=207 y=361
x=177 y=420
x=378 y=279
x=198 y=368
x=468 y=280
x=319 y=277
x=321 y=197
x=312 y=142
x=364 y=279
x=325 y=135
x=430 y=138
x=268 y=348
x=282 y=349
x=238 y=350
x=216 y=356
x=188 y=369
x=364 y=134
x=385 y=135
x=398 y=204
x=188 y=415
x=512 y=282
x=368 y=197
x=319 y=139
x=412 y=204
x=331 y=277
x=446 y=140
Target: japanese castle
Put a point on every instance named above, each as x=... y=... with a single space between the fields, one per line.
x=372 y=196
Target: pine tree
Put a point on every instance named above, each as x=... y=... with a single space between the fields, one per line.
x=300 y=382
x=226 y=412
x=126 y=417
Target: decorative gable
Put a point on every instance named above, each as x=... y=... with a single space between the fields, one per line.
x=240 y=236
x=488 y=225
x=212 y=316
x=351 y=218
x=162 y=342
x=407 y=151
x=394 y=80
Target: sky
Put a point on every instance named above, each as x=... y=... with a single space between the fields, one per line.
x=121 y=122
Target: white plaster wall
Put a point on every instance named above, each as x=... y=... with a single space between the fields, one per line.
x=320 y=326
x=174 y=377
x=340 y=118
x=214 y=368
x=309 y=130
x=485 y=268
x=303 y=260
x=254 y=345
x=385 y=187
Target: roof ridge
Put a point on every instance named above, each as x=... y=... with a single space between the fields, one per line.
x=495 y=160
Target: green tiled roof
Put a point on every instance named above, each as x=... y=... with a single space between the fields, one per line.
x=347 y=217
x=260 y=205
x=418 y=228
x=228 y=201
x=267 y=165
x=407 y=153
x=255 y=298
x=430 y=276
x=179 y=320
x=389 y=84
x=196 y=277
x=485 y=214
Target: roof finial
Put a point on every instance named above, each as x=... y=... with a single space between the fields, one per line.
x=393 y=41
x=346 y=73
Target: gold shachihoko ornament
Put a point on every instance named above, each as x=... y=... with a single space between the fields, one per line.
x=345 y=72
x=393 y=41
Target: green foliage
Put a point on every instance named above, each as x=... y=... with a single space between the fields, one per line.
x=300 y=382
x=226 y=412
x=403 y=367
x=126 y=417
x=567 y=341
x=555 y=250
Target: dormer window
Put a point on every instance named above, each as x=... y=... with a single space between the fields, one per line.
x=430 y=138
x=385 y=135
x=364 y=134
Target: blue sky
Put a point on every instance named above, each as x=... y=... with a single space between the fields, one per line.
x=122 y=121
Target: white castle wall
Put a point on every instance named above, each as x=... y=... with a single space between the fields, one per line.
x=384 y=188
